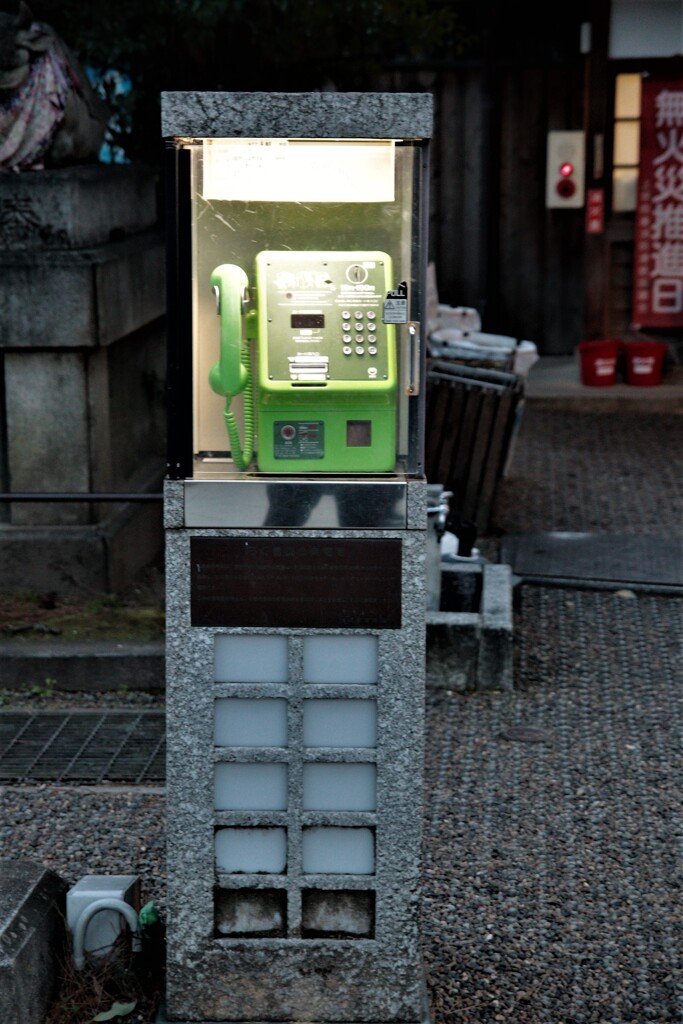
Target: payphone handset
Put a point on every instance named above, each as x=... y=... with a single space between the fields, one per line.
x=324 y=393
x=232 y=373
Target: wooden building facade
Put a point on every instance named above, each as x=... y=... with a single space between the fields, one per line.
x=535 y=272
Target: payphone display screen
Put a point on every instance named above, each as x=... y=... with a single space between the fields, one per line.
x=307 y=320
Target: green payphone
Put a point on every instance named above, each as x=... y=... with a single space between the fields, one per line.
x=322 y=398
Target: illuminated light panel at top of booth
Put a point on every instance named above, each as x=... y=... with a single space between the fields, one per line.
x=299 y=170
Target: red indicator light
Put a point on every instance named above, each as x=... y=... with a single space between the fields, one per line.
x=566 y=169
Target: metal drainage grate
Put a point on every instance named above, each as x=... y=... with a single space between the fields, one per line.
x=83 y=746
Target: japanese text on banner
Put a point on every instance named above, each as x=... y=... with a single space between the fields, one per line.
x=658 y=262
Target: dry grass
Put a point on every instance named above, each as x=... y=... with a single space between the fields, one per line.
x=35 y=617
x=121 y=978
x=138 y=613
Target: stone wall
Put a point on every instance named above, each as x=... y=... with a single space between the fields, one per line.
x=82 y=382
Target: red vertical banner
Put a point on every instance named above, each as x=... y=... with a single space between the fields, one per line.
x=658 y=262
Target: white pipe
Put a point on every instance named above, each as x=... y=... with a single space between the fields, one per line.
x=89 y=912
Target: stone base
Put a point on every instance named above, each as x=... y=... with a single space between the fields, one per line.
x=101 y=558
x=31 y=938
x=426 y=1018
x=350 y=642
x=471 y=648
x=162 y=1019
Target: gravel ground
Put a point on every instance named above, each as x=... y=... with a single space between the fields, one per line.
x=602 y=473
x=554 y=822
x=553 y=814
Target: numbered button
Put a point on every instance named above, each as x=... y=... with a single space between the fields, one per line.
x=372 y=338
x=346 y=338
x=347 y=350
x=358 y=314
x=346 y=315
x=372 y=350
x=360 y=351
x=370 y=315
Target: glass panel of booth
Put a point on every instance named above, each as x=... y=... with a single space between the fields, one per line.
x=354 y=207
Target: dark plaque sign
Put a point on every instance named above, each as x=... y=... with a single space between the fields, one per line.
x=326 y=583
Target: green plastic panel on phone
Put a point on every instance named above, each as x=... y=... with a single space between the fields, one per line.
x=325 y=387
x=326 y=363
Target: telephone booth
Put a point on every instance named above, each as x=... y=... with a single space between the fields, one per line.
x=296 y=520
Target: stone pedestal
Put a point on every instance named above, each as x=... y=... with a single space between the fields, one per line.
x=82 y=343
x=295 y=711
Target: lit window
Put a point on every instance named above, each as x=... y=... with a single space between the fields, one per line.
x=626 y=143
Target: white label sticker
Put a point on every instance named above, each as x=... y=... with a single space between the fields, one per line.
x=395 y=311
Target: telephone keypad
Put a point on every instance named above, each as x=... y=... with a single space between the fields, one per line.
x=353 y=323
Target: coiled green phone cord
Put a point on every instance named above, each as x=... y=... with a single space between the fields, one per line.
x=242 y=455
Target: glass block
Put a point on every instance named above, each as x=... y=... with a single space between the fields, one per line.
x=340 y=787
x=627 y=95
x=624 y=189
x=339 y=915
x=626 y=143
x=251 y=850
x=340 y=659
x=250 y=659
x=250 y=913
x=340 y=723
x=251 y=787
x=338 y=851
x=250 y=722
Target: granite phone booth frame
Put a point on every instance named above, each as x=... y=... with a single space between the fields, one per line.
x=295 y=519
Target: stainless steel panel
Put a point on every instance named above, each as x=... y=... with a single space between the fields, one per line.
x=296 y=504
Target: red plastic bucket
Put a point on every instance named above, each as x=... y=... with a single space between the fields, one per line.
x=598 y=362
x=644 y=361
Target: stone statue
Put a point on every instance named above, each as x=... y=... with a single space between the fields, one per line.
x=49 y=114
